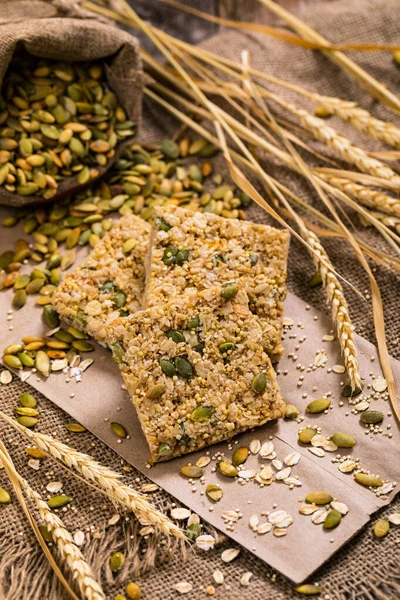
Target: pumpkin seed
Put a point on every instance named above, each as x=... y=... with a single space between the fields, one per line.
x=318 y=406
x=119 y=430
x=170 y=148
x=50 y=317
x=133 y=591
x=368 y=480
x=292 y=412
x=35 y=286
x=214 y=492
x=191 y=471
x=167 y=367
x=27 y=400
x=348 y=392
x=14 y=349
x=27 y=421
x=308 y=589
x=58 y=501
x=116 y=562
x=259 y=383
x=315 y=280
x=381 y=528
x=5 y=497
x=229 y=291
x=240 y=455
x=175 y=335
x=202 y=413
x=332 y=519
x=19 y=299
x=164 y=450
x=372 y=416
x=156 y=391
x=194 y=322
x=82 y=346
x=42 y=363
x=183 y=367
x=343 y=440
x=12 y=361
x=306 y=435
x=76 y=428
x=319 y=498
x=26 y=411
x=227 y=469
x=226 y=347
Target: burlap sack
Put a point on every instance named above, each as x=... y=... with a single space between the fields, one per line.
x=42 y=30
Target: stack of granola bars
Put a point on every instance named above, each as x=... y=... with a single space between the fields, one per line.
x=192 y=309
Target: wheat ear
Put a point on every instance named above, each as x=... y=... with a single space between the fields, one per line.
x=103 y=477
x=361 y=119
x=389 y=221
x=366 y=196
x=340 y=310
x=68 y=550
x=342 y=145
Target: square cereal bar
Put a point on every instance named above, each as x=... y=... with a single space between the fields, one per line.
x=198 y=250
x=110 y=280
x=196 y=370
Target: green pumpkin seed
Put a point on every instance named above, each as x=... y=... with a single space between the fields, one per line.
x=78 y=335
x=119 y=299
x=4 y=496
x=227 y=469
x=58 y=501
x=119 y=430
x=167 y=367
x=27 y=421
x=175 y=335
x=308 y=589
x=259 y=383
x=315 y=280
x=35 y=286
x=82 y=346
x=318 y=406
x=182 y=256
x=68 y=260
x=348 y=392
x=35 y=453
x=381 y=528
x=169 y=255
x=64 y=336
x=202 y=413
x=42 y=363
x=192 y=532
x=191 y=471
x=292 y=412
x=27 y=400
x=319 y=498
x=368 y=480
x=26 y=360
x=306 y=435
x=183 y=367
x=156 y=391
x=117 y=353
x=19 y=299
x=170 y=149
x=240 y=456
x=12 y=361
x=214 y=492
x=226 y=347
x=26 y=411
x=372 y=416
x=229 y=291
x=164 y=450
x=129 y=245
x=116 y=562
x=14 y=348
x=21 y=282
x=332 y=519
x=50 y=317
x=343 y=440
x=77 y=428
x=194 y=322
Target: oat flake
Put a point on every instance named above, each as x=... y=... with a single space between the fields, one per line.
x=317 y=452
x=34 y=464
x=205 y=542
x=292 y=459
x=379 y=384
x=266 y=449
x=264 y=528
x=278 y=532
x=255 y=446
x=180 y=513
x=319 y=516
x=230 y=554
x=339 y=369
x=5 y=377
x=394 y=518
x=283 y=474
x=79 y=538
x=183 y=587
x=347 y=466
x=340 y=506
x=54 y=486
x=218 y=577
x=203 y=461
x=308 y=509
x=245 y=578
x=253 y=521
x=114 y=519
x=230 y=515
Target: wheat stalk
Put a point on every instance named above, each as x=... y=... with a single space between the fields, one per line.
x=342 y=145
x=340 y=310
x=361 y=119
x=389 y=221
x=69 y=552
x=103 y=477
x=367 y=196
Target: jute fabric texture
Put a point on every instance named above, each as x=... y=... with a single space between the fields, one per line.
x=365 y=568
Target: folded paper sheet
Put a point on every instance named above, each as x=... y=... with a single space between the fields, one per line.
x=99 y=399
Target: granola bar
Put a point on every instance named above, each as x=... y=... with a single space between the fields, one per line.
x=196 y=370
x=109 y=282
x=197 y=250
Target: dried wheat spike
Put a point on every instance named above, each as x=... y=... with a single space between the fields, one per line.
x=389 y=221
x=342 y=145
x=361 y=119
x=70 y=553
x=340 y=311
x=368 y=197
x=103 y=477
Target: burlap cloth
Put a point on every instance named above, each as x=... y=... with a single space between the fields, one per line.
x=60 y=33
x=366 y=568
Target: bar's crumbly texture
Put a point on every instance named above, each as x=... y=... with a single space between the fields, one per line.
x=109 y=282
x=197 y=250
x=196 y=371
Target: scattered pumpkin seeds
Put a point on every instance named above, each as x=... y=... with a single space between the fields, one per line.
x=5 y=497
x=214 y=492
x=117 y=560
x=191 y=471
x=381 y=528
x=118 y=429
x=318 y=406
x=319 y=498
x=58 y=501
x=368 y=480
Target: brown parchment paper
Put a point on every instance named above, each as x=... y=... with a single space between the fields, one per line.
x=99 y=399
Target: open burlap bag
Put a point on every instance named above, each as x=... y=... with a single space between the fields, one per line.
x=43 y=30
